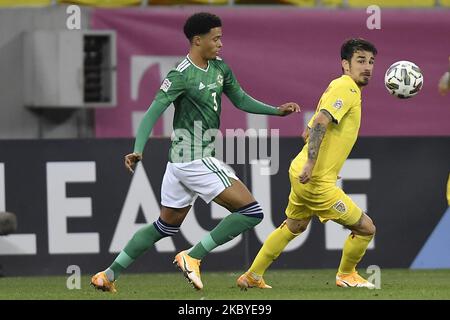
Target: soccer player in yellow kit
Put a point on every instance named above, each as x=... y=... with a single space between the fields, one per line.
x=330 y=137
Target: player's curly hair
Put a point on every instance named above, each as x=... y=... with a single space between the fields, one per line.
x=352 y=45
x=200 y=23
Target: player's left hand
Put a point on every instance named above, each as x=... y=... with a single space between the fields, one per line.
x=288 y=108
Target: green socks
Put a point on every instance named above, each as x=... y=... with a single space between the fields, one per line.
x=230 y=227
x=142 y=240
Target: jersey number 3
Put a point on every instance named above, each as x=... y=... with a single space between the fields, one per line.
x=214 y=95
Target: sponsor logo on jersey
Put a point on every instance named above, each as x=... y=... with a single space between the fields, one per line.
x=338 y=104
x=165 y=85
x=212 y=86
x=201 y=86
x=340 y=206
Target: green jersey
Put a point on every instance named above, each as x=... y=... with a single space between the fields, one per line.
x=197 y=96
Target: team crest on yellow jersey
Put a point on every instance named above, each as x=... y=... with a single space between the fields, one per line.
x=340 y=206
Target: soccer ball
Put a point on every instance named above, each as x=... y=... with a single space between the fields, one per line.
x=403 y=79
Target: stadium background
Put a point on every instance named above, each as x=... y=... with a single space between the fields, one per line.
x=61 y=168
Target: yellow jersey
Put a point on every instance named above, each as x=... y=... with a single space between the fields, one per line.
x=342 y=99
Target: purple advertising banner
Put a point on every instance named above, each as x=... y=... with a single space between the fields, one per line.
x=282 y=55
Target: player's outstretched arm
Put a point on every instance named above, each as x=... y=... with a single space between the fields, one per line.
x=316 y=134
x=145 y=127
x=245 y=102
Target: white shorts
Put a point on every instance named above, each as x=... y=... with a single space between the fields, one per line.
x=184 y=182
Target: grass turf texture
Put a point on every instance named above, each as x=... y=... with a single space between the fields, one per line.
x=287 y=285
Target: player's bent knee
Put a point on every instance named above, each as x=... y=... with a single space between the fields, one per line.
x=298 y=229
x=297 y=226
x=367 y=230
x=372 y=229
x=364 y=227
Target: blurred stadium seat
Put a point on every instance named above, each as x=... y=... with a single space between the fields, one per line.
x=23 y=3
x=103 y=3
x=300 y=3
x=392 y=3
x=181 y=2
x=303 y=3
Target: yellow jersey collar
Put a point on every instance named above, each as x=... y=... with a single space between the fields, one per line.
x=348 y=78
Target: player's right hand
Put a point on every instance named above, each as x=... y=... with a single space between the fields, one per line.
x=288 y=108
x=306 y=174
x=131 y=159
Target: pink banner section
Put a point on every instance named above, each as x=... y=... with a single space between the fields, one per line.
x=281 y=55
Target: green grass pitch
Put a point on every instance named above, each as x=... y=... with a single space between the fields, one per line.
x=287 y=285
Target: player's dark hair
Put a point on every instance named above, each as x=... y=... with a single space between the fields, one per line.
x=356 y=44
x=200 y=23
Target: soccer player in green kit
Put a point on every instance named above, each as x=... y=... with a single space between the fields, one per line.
x=195 y=87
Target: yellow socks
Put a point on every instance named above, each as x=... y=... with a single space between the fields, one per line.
x=354 y=248
x=271 y=249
